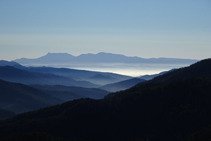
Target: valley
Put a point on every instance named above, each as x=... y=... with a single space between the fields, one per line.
x=171 y=105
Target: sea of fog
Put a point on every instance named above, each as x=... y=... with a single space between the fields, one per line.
x=137 y=69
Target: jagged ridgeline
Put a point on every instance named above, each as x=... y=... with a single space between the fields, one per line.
x=171 y=107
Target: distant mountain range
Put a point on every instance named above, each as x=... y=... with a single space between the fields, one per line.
x=174 y=106
x=52 y=58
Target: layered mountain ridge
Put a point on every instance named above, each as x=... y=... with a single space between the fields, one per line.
x=172 y=106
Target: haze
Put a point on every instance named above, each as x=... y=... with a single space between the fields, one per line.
x=175 y=29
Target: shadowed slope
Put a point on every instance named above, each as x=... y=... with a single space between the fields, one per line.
x=6 y=114
x=21 y=98
x=199 y=69
x=69 y=92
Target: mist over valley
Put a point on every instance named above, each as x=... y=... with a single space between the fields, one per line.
x=108 y=62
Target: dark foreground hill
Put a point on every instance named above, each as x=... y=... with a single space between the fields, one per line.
x=167 y=111
x=199 y=69
x=149 y=77
x=170 y=110
x=6 y=114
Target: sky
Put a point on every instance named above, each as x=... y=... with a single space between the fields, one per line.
x=143 y=28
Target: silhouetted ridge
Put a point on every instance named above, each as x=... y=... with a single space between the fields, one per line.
x=199 y=69
x=101 y=57
x=56 y=57
x=7 y=63
x=149 y=77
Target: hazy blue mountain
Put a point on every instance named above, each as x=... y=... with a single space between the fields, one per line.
x=99 y=78
x=122 y=85
x=63 y=76
x=101 y=57
x=21 y=98
x=102 y=79
x=48 y=58
x=11 y=63
x=9 y=73
x=66 y=72
x=67 y=93
x=53 y=57
x=12 y=74
x=8 y=63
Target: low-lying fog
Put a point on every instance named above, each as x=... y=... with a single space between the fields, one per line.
x=120 y=68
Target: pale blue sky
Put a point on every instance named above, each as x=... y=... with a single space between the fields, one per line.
x=144 y=28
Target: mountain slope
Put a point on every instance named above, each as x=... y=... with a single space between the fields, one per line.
x=7 y=63
x=9 y=73
x=48 y=58
x=149 y=77
x=158 y=112
x=69 y=92
x=199 y=69
x=122 y=85
x=101 y=79
x=169 y=110
x=82 y=75
x=57 y=76
x=21 y=98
